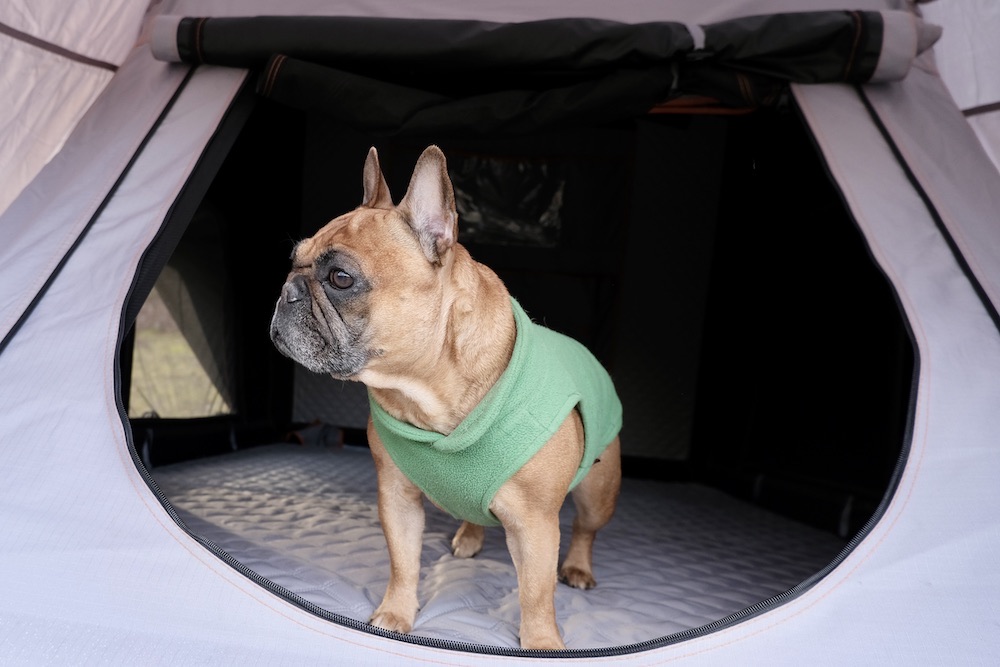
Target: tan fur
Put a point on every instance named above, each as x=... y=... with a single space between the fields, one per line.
x=439 y=332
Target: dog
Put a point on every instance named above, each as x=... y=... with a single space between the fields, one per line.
x=493 y=417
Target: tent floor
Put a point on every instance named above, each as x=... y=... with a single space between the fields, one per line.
x=676 y=556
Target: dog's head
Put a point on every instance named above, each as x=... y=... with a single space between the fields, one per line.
x=367 y=291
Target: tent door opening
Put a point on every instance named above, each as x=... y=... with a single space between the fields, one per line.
x=762 y=360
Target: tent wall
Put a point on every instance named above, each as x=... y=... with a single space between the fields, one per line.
x=934 y=166
x=75 y=193
x=966 y=58
x=57 y=59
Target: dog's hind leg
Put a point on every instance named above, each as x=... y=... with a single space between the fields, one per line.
x=468 y=540
x=594 y=498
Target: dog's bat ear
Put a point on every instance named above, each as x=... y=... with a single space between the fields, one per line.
x=376 y=190
x=430 y=204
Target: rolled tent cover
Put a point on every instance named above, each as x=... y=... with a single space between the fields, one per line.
x=412 y=76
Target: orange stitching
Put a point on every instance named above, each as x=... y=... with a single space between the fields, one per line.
x=197 y=39
x=272 y=74
x=854 y=47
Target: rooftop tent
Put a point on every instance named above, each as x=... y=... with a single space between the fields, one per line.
x=810 y=428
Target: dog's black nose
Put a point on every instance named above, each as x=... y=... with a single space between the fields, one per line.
x=295 y=290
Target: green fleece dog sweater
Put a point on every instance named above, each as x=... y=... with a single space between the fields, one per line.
x=549 y=374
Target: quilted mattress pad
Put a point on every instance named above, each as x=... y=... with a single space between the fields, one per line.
x=676 y=556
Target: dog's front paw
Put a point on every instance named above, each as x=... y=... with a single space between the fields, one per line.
x=390 y=620
x=550 y=641
x=577 y=578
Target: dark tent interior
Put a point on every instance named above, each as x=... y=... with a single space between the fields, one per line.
x=707 y=259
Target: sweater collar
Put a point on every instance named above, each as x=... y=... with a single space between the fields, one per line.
x=480 y=420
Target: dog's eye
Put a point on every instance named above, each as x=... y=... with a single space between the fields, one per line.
x=341 y=279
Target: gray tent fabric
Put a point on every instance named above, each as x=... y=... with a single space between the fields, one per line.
x=70 y=53
x=99 y=570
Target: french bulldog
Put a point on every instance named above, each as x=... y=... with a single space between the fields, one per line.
x=491 y=416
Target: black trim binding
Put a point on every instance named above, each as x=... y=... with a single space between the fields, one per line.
x=906 y=445
x=31 y=40
x=938 y=220
x=97 y=214
x=981 y=109
x=186 y=203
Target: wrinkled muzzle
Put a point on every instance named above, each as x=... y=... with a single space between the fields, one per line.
x=299 y=335
x=293 y=327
